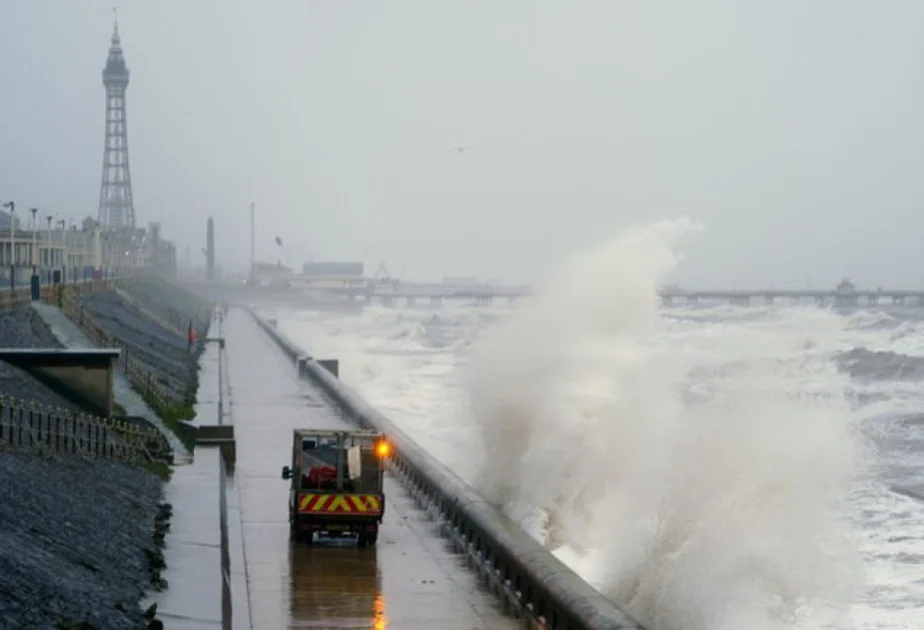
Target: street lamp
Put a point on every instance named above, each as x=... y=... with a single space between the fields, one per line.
x=12 y=206
x=34 y=212
x=62 y=225
x=48 y=219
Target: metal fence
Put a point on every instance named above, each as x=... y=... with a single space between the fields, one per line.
x=36 y=428
x=19 y=296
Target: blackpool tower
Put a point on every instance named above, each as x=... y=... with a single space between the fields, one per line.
x=116 y=206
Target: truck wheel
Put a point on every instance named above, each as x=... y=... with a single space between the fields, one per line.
x=372 y=538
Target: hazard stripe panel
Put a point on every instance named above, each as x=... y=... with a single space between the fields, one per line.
x=364 y=504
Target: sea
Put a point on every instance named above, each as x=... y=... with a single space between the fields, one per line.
x=707 y=467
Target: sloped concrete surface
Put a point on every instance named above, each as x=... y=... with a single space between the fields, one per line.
x=159 y=348
x=170 y=302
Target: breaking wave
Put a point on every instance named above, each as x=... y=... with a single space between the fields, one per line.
x=714 y=507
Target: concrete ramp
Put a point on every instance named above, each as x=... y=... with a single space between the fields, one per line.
x=86 y=376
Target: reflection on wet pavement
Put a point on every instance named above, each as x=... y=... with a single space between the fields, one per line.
x=352 y=599
x=410 y=580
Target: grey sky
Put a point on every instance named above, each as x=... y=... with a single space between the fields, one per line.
x=792 y=130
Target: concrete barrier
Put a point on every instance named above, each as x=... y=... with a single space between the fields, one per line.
x=82 y=374
x=533 y=584
x=221 y=436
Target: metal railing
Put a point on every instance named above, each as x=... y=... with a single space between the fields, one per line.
x=31 y=427
x=21 y=295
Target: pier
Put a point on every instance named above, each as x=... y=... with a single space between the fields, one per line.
x=844 y=294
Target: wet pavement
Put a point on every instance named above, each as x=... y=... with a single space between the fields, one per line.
x=192 y=600
x=410 y=580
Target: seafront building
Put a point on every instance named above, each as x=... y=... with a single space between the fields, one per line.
x=77 y=250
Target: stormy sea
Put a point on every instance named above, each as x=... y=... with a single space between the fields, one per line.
x=706 y=467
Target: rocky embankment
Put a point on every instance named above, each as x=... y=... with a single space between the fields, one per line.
x=78 y=540
x=151 y=317
x=170 y=302
x=78 y=543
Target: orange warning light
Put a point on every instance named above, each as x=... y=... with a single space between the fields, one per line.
x=382 y=449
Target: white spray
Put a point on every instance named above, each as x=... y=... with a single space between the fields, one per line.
x=713 y=508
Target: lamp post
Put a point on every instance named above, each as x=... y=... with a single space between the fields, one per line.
x=12 y=206
x=34 y=212
x=48 y=220
x=61 y=224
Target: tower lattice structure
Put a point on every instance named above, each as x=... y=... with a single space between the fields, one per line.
x=116 y=205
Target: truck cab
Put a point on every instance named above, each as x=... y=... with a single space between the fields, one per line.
x=336 y=484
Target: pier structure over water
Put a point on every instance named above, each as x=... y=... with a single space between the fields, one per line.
x=845 y=294
x=361 y=291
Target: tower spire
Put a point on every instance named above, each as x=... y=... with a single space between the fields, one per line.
x=116 y=204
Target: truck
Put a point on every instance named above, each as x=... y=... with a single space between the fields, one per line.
x=336 y=484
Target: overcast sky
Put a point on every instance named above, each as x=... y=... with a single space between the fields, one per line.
x=792 y=129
